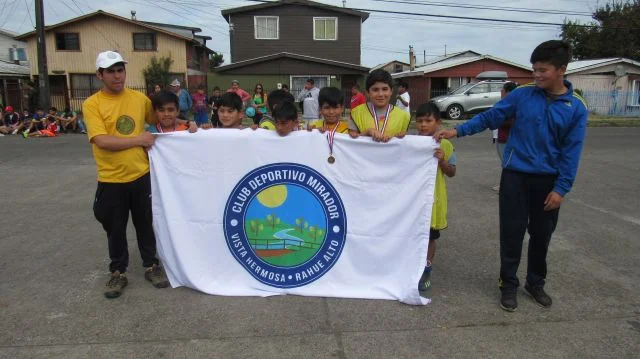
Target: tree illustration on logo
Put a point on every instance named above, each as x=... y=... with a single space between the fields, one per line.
x=256 y=226
x=273 y=220
x=315 y=232
x=301 y=223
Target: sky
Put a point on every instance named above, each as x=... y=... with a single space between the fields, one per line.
x=385 y=37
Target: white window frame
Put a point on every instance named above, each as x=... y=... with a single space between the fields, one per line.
x=325 y=18
x=255 y=27
x=634 y=100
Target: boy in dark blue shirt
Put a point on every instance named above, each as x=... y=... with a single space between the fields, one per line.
x=539 y=165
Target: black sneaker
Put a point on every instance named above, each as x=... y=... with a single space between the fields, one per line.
x=539 y=295
x=156 y=275
x=509 y=301
x=115 y=285
x=425 y=281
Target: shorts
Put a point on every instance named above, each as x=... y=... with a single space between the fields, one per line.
x=434 y=234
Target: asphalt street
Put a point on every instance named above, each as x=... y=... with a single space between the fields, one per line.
x=54 y=261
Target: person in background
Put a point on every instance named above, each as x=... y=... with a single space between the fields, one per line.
x=309 y=98
x=259 y=103
x=200 y=107
x=185 y=99
x=403 y=99
x=357 y=98
x=244 y=95
x=214 y=100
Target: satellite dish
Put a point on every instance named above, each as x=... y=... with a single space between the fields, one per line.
x=620 y=71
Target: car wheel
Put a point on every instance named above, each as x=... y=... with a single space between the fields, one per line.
x=455 y=112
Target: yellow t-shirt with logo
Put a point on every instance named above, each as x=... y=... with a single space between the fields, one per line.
x=343 y=127
x=121 y=115
x=439 y=209
x=398 y=120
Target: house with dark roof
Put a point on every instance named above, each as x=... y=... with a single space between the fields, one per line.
x=288 y=41
x=610 y=86
x=72 y=47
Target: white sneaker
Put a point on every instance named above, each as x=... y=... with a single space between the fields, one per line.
x=14 y=132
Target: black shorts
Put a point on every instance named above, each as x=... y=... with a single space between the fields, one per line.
x=434 y=234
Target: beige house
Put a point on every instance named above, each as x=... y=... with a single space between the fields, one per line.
x=72 y=47
x=610 y=86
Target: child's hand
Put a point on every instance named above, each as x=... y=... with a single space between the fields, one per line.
x=206 y=126
x=377 y=135
x=354 y=133
x=254 y=127
x=401 y=134
x=193 y=127
x=311 y=128
x=439 y=154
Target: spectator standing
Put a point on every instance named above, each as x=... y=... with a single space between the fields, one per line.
x=309 y=98
x=357 y=97
x=200 y=106
x=403 y=99
x=214 y=100
x=259 y=103
x=244 y=95
x=184 y=97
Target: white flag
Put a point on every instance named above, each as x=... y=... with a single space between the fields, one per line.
x=249 y=213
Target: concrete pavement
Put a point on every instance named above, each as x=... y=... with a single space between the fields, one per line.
x=54 y=266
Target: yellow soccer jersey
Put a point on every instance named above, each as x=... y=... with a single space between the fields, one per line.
x=121 y=115
x=439 y=209
x=342 y=126
x=398 y=120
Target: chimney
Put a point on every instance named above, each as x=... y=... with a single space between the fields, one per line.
x=412 y=59
x=133 y=15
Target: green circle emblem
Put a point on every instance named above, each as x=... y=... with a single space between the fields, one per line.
x=125 y=125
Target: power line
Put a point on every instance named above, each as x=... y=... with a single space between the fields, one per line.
x=488 y=7
x=29 y=13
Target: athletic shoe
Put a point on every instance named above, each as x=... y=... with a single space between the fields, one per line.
x=425 y=280
x=156 y=275
x=509 y=301
x=538 y=294
x=115 y=285
x=25 y=134
x=14 y=131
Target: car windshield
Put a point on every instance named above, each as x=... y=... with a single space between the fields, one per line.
x=461 y=89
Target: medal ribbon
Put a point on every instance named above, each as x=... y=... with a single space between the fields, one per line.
x=374 y=113
x=159 y=127
x=330 y=135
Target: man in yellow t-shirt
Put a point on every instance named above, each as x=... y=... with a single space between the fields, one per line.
x=115 y=117
x=389 y=122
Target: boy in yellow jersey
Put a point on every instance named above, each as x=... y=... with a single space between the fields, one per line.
x=115 y=117
x=378 y=118
x=331 y=102
x=427 y=123
x=274 y=99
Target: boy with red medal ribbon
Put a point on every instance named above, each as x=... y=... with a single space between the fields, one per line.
x=331 y=101
x=166 y=105
x=378 y=118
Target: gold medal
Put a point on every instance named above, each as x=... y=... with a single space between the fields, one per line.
x=331 y=160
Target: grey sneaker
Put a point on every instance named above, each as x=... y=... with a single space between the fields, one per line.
x=539 y=295
x=509 y=300
x=156 y=275
x=115 y=285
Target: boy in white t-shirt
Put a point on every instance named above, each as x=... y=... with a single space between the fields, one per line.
x=403 y=97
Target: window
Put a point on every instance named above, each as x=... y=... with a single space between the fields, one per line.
x=481 y=88
x=68 y=41
x=455 y=82
x=496 y=86
x=634 y=96
x=266 y=27
x=325 y=28
x=84 y=85
x=17 y=54
x=397 y=68
x=144 y=41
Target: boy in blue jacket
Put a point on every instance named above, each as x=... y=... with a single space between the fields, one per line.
x=538 y=167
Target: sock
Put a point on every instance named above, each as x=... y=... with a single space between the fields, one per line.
x=427 y=269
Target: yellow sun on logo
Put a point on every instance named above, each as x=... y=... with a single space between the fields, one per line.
x=273 y=196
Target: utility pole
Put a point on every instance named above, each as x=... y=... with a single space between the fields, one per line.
x=445 y=49
x=43 y=69
x=424 y=56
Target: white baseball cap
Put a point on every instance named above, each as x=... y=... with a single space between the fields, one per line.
x=175 y=83
x=107 y=59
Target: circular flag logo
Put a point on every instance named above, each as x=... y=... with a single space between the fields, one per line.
x=285 y=224
x=125 y=125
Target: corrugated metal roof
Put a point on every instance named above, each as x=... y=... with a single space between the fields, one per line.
x=582 y=65
x=11 y=69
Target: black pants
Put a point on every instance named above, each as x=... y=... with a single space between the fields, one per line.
x=111 y=208
x=522 y=197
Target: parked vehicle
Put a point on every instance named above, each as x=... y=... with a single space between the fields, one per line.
x=473 y=97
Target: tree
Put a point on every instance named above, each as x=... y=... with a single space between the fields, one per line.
x=215 y=59
x=158 y=71
x=301 y=223
x=614 y=33
x=273 y=220
x=312 y=229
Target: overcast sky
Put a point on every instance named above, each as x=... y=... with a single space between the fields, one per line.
x=385 y=37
